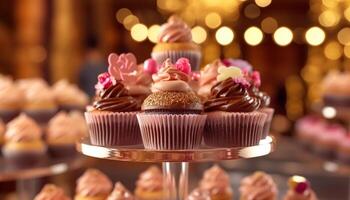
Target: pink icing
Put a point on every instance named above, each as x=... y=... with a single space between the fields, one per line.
x=332 y=133
x=242 y=81
x=175 y=30
x=215 y=180
x=105 y=80
x=183 y=64
x=93 y=183
x=22 y=128
x=170 y=72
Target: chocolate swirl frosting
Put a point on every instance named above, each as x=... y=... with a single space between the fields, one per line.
x=230 y=96
x=263 y=96
x=115 y=99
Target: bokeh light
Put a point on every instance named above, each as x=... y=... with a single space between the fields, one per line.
x=139 y=32
x=329 y=18
x=283 y=36
x=263 y=3
x=224 y=35
x=253 y=36
x=213 y=20
x=130 y=21
x=344 y=36
x=347 y=51
x=347 y=13
x=269 y=25
x=153 y=32
x=199 y=35
x=252 y=11
x=315 y=36
x=122 y=14
x=333 y=50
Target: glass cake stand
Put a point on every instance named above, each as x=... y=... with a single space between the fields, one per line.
x=175 y=162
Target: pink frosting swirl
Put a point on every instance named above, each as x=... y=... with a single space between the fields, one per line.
x=208 y=77
x=61 y=126
x=258 y=186
x=51 y=192
x=93 y=183
x=22 y=128
x=174 y=31
x=216 y=181
x=120 y=193
x=150 y=180
x=80 y=123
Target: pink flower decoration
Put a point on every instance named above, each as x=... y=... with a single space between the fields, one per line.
x=183 y=64
x=150 y=66
x=255 y=76
x=195 y=76
x=122 y=67
x=105 y=80
x=242 y=81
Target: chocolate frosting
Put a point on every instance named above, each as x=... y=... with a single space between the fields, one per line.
x=115 y=99
x=263 y=96
x=231 y=96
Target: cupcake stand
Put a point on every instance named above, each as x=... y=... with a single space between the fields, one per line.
x=27 y=178
x=176 y=162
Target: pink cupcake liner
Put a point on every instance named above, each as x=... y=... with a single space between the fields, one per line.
x=193 y=56
x=224 y=129
x=267 y=124
x=113 y=129
x=171 y=131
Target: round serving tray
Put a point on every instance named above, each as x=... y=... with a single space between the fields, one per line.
x=202 y=154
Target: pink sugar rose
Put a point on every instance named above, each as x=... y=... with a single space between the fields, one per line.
x=183 y=64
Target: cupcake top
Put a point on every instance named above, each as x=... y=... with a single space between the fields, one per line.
x=299 y=189
x=150 y=180
x=210 y=72
x=61 y=128
x=231 y=94
x=79 y=123
x=332 y=132
x=93 y=183
x=22 y=129
x=336 y=83
x=198 y=194
x=39 y=97
x=120 y=193
x=174 y=31
x=258 y=186
x=215 y=180
x=25 y=84
x=51 y=192
x=69 y=94
x=11 y=97
x=171 y=90
x=242 y=64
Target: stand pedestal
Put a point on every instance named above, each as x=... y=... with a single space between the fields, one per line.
x=175 y=180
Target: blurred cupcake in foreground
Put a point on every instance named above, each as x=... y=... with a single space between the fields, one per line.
x=258 y=186
x=233 y=116
x=11 y=99
x=299 y=189
x=175 y=42
x=112 y=119
x=120 y=193
x=69 y=96
x=93 y=185
x=40 y=103
x=217 y=183
x=208 y=78
x=174 y=108
x=23 y=143
x=51 y=192
x=198 y=194
x=79 y=123
x=149 y=186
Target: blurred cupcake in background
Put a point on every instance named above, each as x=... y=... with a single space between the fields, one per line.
x=299 y=189
x=69 y=96
x=208 y=78
x=23 y=141
x=244 y=65
x=198 y=194
x=120 y=193
x=11 y=99
x=216 y=182
x=51 y=192
x=79 y=123
x=175 y=42
x=2 y=133
x=149 y=186
x=93 y=185
x=61 y=135
x=308 y=128
x=258 y=186
x=40 y=103
x=27 y=83
x=343 y=150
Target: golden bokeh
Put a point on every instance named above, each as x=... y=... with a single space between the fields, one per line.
x=253 y=36
x=347 y=51
x=199 y=34
x=224 y=35
x=283 y=36
x=315 y=36
x=122 y=14
x=344 y=36
x=130 y=21
x=333 y=50
x=213 y=20
x=329 y=18
x=153 y=32
x=252 y=11
x=139 y=32
x=263 y=3
x=269 y=25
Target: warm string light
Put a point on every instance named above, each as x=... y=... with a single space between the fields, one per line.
x=283 y=36
x=315 y=36
x=224 y=35
x=253 y=36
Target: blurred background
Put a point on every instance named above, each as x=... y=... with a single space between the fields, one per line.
x=293 y=43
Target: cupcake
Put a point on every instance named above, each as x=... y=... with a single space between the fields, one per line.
x=172 y=116
x=39 y=103
x=51 y=192
x=308 y=128
x=69 y=96
x=208 y=78
x=112 y=119
x=93 y=185
x=174 y=42
x=120 y=193
x=23 y=143
x=343 y=150
x=217 y=183
x=79 y=123
x=335 y=88
x=299 y=189
x=233 y=119
x=61 y=135
x=27 y=83
x=11 y=99
x=2 y=132
x=149 y=186
x=198 y=194
x=258 y=186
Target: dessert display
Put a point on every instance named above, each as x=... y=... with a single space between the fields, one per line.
x=233 y=119
x=112 y=118
x=69 y=97
x=175 y=42
x=258 y=186
x=11 y=99
x=120 y=193
x=149 y=186
x=172 y=115
x=51 y=192
x=308 y=128
x=93 y=185
x=23 y=141
x=299 y=189
x=216 y=182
